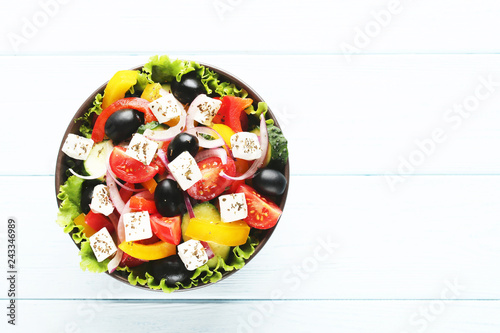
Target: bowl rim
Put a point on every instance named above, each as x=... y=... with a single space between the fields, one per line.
x=73 y=127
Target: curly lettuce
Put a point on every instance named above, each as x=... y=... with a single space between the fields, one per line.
x=70 y=194
x=163 y=69
x=86 y=126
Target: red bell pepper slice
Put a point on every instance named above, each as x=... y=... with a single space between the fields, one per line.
x=140 y=204
x=135 y=103
x=231 y=111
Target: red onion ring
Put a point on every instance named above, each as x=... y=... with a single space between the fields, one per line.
x=204 y=143
x=120 y=230
x=188 y=205
x=85 y=177
x=216 y=152
x=115 y=261
x=208 y=250
x=114 y=194
x=168 y=134
x=264 y=145
x=163 y=157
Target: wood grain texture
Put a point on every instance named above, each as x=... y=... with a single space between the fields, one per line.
x=260 y=316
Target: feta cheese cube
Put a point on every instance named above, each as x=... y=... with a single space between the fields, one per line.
x=233 y=207
x=101 y=203
x=102 y=244
x=166 y=108
x=137 y=226
x=142 y=149
x=185 y=170
x=246 y=145
x=204 y=109
x=192 y=254
x=77 y=147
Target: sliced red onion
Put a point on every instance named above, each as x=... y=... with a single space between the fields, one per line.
x=115 y=261
x=204 y=143
x=168 y=134
x=114 y=218
x=217 y=152
x=208 y=250
x=228 y=149
x=85 y=177
x=120 y=230
x=163 y=157
x=264 y=145
x=114 y=194
x=188 y=205
x=192 y=110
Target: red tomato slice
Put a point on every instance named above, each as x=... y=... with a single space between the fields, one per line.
x=262 y=213
x=168 y=229
x=97 y=221
x=212 y=184
x=129 y=261
x=126 y=194
x=231 y=112
x=129 y=169
x=143 y=204
x=154 y=239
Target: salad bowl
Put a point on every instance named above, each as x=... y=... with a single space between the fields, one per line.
x=260 y=236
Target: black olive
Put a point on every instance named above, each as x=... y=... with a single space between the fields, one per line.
x=188 y=88
x=182 y=142
x=168 y=198
x=122 y=124
x=172 y=269
x=269 y=182
x=86 y=197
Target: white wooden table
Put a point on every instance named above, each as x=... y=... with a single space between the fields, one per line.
x=392 y=114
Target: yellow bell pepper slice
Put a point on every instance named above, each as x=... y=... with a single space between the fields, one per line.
x=225 y=131
x=150 y=185
x=87 y=230
x=151 y=92
x=154 y=251
x=119 y=84
x=230 y=234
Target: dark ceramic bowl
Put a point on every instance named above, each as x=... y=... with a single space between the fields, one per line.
x=73 y=127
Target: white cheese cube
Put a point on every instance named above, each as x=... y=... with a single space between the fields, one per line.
x=101 y=203
x=142 y=149
x=137 y=226
x=77 y=147
x=166 y=108
x=246 y=145
x=192 y=254
x=204 y=109
x=233 y=207
x=102 y=244
x=185 y=170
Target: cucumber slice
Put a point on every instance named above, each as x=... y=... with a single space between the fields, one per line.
x=96 y=163
x=207 y=211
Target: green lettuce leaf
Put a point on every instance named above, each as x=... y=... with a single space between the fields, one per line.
x=89 y=261
x=162 y=69
x=70 y=194
x=201 y=275
x=86 y=126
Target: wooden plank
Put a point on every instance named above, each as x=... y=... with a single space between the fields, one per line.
x=319 y=26
x=257 y=316
x=363 y=119
x=351 y=234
